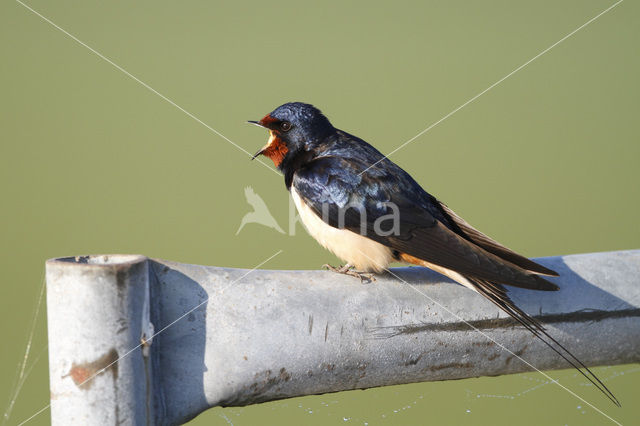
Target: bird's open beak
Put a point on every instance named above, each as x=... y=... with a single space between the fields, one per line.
x=259 y=124
x=258 y=153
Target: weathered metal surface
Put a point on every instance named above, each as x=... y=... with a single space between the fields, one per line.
x=95 y=317
x=263 y=335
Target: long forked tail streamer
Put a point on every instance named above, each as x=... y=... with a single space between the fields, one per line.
x=498 y=296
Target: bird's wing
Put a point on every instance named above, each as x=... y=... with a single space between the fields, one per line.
x=493 y=246
x=334 y=189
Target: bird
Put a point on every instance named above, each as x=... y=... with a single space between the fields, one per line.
x=369 y=212
x=260 y=213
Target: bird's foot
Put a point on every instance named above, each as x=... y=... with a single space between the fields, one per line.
x=347 y=269
x=340 y=269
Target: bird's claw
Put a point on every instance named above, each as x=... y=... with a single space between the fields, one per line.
x=340 y=269
x=365 y=277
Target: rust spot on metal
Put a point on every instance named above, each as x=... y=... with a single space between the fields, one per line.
x=362 y=369
x=284 y=375
x=516 y=353
x=82 y=374
x=266 y=386
x=329 y=367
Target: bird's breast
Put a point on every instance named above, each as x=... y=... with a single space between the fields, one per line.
x=361 y=252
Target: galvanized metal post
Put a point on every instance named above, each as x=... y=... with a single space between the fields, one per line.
x=234 y=337
x=96 y=316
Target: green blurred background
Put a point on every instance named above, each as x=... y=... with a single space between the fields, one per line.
x=92 y=162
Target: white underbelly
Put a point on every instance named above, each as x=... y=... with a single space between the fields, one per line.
x=361 y=252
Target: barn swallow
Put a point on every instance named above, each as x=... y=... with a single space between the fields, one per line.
x=369 y=212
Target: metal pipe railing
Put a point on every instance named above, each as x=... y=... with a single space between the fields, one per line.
x=236 y=337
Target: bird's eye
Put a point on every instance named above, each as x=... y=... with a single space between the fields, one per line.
x=285 y=126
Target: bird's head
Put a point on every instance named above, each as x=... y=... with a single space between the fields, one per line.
x=294 y=128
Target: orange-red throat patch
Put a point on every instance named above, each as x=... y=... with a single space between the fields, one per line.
x=275 y=149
